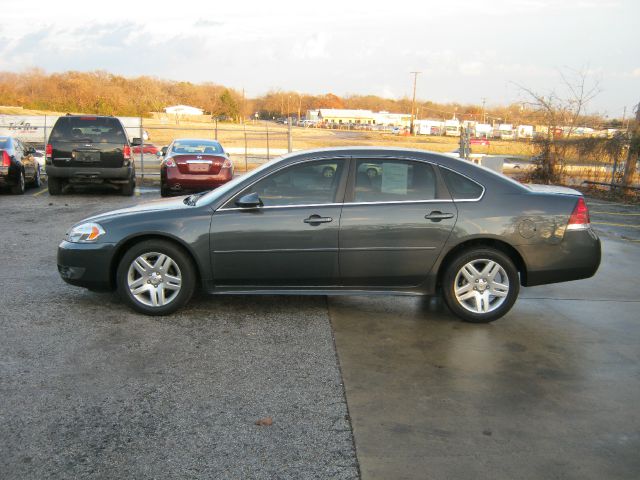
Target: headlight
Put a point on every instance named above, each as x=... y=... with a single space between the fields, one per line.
x=85 y=233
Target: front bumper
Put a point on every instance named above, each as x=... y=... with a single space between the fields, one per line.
x=576 y=257
x=86 y=264
x=90 y=174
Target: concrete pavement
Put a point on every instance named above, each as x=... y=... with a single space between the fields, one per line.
x=549 y=391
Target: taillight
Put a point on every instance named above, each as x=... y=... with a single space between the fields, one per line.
x=49 y=150
x=579 y=219
x=6 y=160
x=126 y=152
x=169 y=162
x=227 y=163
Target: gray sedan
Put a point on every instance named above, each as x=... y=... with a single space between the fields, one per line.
x=423 y=224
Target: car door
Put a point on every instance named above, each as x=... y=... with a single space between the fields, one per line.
x=395 y=221
x=289 y=241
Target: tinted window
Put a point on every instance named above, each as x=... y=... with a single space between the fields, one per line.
x=196 y=146
x=304 y=184
x=394 y=180
x=461 y=187
x=89 y=129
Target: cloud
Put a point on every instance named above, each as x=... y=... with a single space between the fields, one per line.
x=472 y=69
x=312 y=48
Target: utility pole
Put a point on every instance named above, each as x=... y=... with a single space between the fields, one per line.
x=413 y=101
x=484 y=119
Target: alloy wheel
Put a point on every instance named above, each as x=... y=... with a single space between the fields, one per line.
x=481 y=286
x=154 y=279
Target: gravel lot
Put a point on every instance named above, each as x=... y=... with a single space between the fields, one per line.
x=91 y=389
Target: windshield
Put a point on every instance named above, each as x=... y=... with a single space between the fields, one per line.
x=196 y=146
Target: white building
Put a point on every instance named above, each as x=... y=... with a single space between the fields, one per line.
x=183 y=110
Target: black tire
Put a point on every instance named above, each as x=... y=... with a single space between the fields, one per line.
x=164 y=191
x=372 y=173
x=185 y=270
x=128 y=188
x=37 y=179
x=18 y=188
x=495 y=306
x=54 y=185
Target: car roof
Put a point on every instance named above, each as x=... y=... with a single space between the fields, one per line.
x=465 y=167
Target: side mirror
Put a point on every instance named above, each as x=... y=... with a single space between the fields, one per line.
x=135 y=142
x=159 y=154
x=163 y=151
x=30 y=151
x=227 y=154
x=251 y=200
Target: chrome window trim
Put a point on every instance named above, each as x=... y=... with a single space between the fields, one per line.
x=468 y=178
x=270 y=207
x=394 y=202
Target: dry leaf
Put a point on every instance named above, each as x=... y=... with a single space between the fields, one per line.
x=265 y=422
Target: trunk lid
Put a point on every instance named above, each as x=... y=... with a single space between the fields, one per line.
x=539 y=188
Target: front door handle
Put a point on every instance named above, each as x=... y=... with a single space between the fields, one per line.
x=436 y=216
x=317 y=219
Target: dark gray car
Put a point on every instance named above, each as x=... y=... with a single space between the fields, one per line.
x=423 y=223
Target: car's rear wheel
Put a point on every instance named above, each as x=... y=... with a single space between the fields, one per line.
x=156 y=277
x=481 y=285
x=128 y=188
x=54 y=185
x=18 y=188
x=37 y=179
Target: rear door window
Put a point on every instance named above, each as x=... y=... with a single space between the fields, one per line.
x=89 y=129
x=392 y=180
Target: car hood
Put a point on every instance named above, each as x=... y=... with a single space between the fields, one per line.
x=163 y=204
x=538 y=188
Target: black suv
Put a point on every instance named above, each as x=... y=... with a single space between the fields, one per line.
x=86 y=149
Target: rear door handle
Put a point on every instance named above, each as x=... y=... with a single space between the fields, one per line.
x=436 y=216
x=317 y=219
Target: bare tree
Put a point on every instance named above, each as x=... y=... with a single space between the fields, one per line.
x=561 y=114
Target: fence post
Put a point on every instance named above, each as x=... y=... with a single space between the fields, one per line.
x=244 y=127
x=267 y=125
x=45 y=131
x=289 y=146
x=216 y=120
x=141 y=153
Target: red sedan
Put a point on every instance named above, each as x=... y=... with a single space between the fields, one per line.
x=194 y=165
x=479 y=141
x=146 y=148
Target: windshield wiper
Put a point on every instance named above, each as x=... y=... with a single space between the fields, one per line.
x=191 y=200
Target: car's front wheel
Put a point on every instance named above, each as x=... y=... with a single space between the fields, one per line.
x=481 y=285
x=156 y=277
x=18 y=188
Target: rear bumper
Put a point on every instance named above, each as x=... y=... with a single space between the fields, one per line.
x=90 y=173
x=174 y=180
x=86 y=265
x=9 y=176
x=577 y=257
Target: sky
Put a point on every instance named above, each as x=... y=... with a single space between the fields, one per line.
x=466 y=50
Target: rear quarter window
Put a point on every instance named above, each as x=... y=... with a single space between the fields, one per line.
x=461 y=187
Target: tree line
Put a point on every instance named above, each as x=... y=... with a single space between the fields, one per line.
x=101 y=92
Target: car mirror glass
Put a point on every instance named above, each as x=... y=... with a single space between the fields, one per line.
x=251 y=200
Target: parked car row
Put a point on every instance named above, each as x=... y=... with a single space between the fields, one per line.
x=96 y=150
